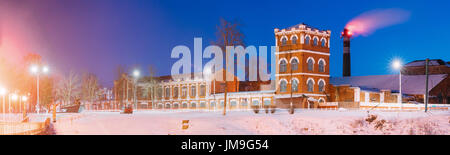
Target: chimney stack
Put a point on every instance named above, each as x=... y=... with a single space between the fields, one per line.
x=346 y=34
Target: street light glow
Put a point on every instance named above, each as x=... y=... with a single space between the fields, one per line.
x=45 y=69
x=3 y=91
x=136 y=73
x=24 y=98
x=14 y=97
x=34 y=69
x=397 y=64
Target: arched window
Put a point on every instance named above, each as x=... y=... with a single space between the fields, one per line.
x=310 y=85
x=184 y=91
x=283 y=41
x=294 y=85
x=323 y=42
x=184 y=105
x=202 y=104
x=294 y=64
x=193 y=105
x=159 y=92
x=283 y=86
x=175 y=106
x=167 y=92
x=321 y=66
x=283 y=65
x=310 y=64
x=202 y=90
x=212 y=104
x=307 y=39
x=244 y=102
x=167 y=106
x=294 y=40
x=321 y=86
x=175 y=92
x=193 y=91
x=316 y=42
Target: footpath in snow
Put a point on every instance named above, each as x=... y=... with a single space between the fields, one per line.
x=303 y=122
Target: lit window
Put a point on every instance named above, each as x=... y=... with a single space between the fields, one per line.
x=283 y=86
x=202 y=90
x=283 y=66
x=244 y=102
x=193 y=91
x=294 y=64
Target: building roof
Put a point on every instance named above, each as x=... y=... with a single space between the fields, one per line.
x=411 y=84
x=433 y=62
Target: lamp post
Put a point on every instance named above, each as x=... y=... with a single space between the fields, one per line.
x=24 y=111
x=398 y=66
x=3 y=92
x=35 y=69
x=136 y=74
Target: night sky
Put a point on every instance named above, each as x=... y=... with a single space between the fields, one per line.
x=98 y=35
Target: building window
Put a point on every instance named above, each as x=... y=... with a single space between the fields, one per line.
x=255 y=103
x=294 y=64
x=283 y=41
x=159 y=92
x=175 y=106
x=267 y=102
x=184 y=105
x=184 y=91
x=202 y=90
x=310 y=64
x=194 y=105
x=193 y=91
x=202 y=104
x=167 y=92
x=307 y=40
x=233 y=104
x=221 y=104
x=283 y=65
x=321 y=86
x=175 y=92
x=283 y=86
x=321 y=66
x=294 y=40
x=323 y=42
x=310 y=85
x=316 y=42
x=167 y=106
x=294 y=85
x=244 y=102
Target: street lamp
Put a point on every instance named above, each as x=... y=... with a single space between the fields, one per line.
x=24 y=111
x=3 y=92
x=397 y=65
x=136 y=74
x=14 y=98
x=35 y=69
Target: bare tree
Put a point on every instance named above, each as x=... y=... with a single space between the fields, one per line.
x=228 y=34
x=90 y=87
x=152 y=83
x=69 y=88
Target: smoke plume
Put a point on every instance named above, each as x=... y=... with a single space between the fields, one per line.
x=368 y=22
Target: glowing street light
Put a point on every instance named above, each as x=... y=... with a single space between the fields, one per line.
x=14 y=97
x=397 y=65
x=35 y=70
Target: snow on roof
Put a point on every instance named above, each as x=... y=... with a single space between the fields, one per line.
x=411 y=84
x=434 y=62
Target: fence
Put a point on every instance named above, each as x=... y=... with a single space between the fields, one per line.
x=24 y=128
x=382 y=106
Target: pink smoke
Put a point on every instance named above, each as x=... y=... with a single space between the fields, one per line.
x=368 y=22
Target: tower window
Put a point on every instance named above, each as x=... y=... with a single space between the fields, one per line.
x=321 y=66
x=316 y=41
x=294 y=64
x=294 y=40
x=283 y=86
x=321 y=86
x=310 y=85
x=294 y=85
x=307 y=40
x=323 y=42
x=310 y=64
x=283 y=65
x=283 y=41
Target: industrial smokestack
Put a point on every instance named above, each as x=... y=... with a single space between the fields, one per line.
x=346 y=34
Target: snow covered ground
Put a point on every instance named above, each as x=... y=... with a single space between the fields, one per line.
x=309 y=122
